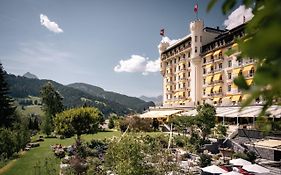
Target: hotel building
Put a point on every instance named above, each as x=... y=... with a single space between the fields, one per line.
x=201 y=67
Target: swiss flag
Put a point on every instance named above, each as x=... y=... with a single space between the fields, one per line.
x=196 y=8
x=162 y=32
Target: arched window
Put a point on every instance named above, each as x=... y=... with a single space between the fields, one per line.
x=252 y=71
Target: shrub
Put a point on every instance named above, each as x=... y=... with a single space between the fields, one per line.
x=205 y=160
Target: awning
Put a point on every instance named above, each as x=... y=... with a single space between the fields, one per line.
x=159 y=113
x=216 y=88
x=216 y=99
x=236 y=71
x=248 y=68
x=209 y=65
x=209 y=54
x=208 y=90
x=235 y=45
x=249 y=81
x=233 y=86
x=217 y=52
x=245 y=96
x=209 y=79
x=217 y=77
x=227 y=98
x=236 y=97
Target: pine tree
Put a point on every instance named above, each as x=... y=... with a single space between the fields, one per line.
x=7 y=110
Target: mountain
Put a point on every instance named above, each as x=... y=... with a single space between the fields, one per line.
x=157 y=100
x=30 y=75
x=21 y=87
x=133 y=103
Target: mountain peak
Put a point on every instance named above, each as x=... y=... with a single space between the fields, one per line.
x=30 y=75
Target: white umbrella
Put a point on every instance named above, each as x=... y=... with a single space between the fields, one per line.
x=239 y=162
x=255 y=168
x=232 y=173
x=213 y=169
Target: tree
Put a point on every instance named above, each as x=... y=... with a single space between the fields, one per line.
x=7 y=110
x=261 y=42
x=52 y=104
x=111 y=123
x=78 y=121
x=206 y=118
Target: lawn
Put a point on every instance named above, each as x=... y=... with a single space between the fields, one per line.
x=35 y=161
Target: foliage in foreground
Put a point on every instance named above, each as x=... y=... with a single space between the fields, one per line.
x=137 y=155
x=261 y=42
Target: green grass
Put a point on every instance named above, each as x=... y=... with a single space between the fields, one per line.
x=32 y=162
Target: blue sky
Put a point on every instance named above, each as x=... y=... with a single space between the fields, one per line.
x=88 y=38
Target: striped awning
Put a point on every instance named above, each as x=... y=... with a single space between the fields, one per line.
x=236 y=97
x=209 y=65
x=235 y=45
x=217 y=52
x=209 y=79
x=249 y=81
x=236 y=71
x=216 y=88
x=233 y=86
x=217 y=77
x=216 y=99
x=208 y=90
x=248 y=68
x=209 y=54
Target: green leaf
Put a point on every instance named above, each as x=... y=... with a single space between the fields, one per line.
x=228 y=5
x=211 y=4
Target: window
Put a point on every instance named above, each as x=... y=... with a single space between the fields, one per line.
x=204 y=91
x=175 y=61
x=188 y=93
x=188 y=54
x=188 y=64
x=240 y=62
x=212 y=68
x=204 y=81
x=175 y=69
x=220 y=90
x=183 y=56
x=175 y=77
x=195 y=50
x=252 y=71
x=229 y=88
x=204 y=60
x=188 y=74
x=201 y=39
x=229 y=63
x=204 y=71
x=229 y=75
x=195 y=38
x=220 y=66
x=251 y=60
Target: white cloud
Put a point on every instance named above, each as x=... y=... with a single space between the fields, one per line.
x=52 y=26
x=166 y=40
x=236 y=18
x=138 y=63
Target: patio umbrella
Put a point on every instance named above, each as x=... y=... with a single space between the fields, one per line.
x=239 y=162
x=213 y=169
x=232 y=173
x=255 y=168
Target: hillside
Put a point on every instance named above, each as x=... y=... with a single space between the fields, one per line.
x=21 y=87
x=156 y=100
x=133 y=103
x=30 y=75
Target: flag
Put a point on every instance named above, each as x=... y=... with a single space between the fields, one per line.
x=244 y=19
x=196 y=8
x=162 y=32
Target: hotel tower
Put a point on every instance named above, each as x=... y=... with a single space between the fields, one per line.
x=201 y=67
